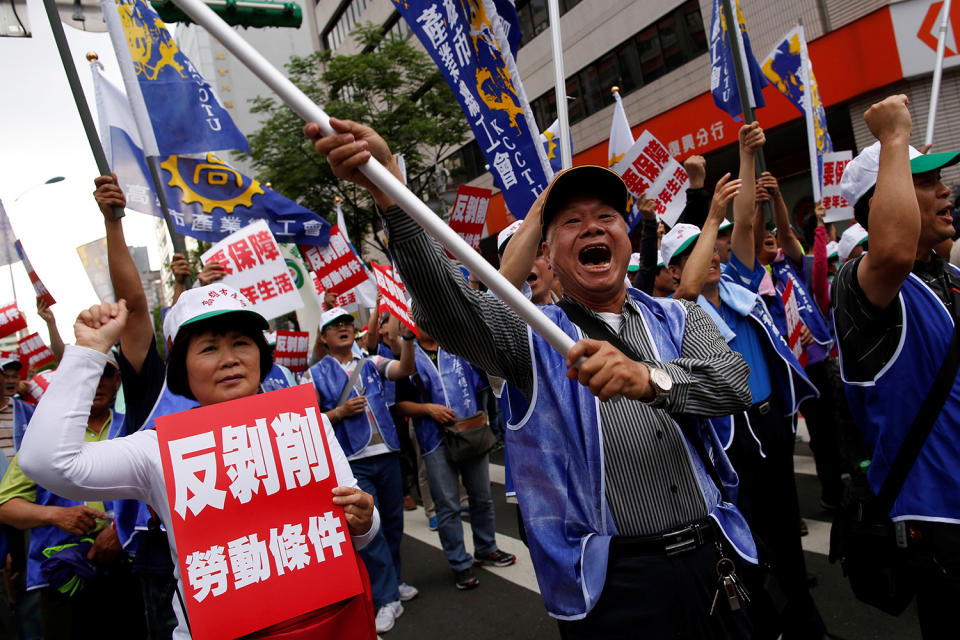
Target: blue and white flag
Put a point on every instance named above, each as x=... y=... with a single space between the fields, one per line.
x=789 y=69
x=550 y=139
x=207 y=198
x=185 y=113
x=510 y=22
x=723 y=77
x=464 y=38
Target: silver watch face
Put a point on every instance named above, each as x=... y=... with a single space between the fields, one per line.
x=661 y=380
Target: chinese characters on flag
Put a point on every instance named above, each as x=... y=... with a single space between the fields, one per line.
x=253 y=265
x=249 y=486
x=34 y=352
x=837 y=207
x=338 y=267
x=649 y=170
x=469 y=213
x=393 y=296
x=11 y=320
x=291 y=350
x=794 y=323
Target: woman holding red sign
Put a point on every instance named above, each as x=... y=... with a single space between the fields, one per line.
x=218 y=355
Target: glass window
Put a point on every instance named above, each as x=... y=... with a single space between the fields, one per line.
x=566 y=5
x=631 y=76
x=673 y=55
x=608 y=74
x=539 y=16
x=651 y=59
x=695 y=30
x=590 y=90
x=575 y=106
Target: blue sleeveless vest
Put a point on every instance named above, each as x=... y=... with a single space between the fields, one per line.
x=428 y=433
x=556 y=455
x=810 y=314
x=354 y=433
x=49 y=536
x=22 y=412
x=885 y=407
x=503 y=401
x=279 y=377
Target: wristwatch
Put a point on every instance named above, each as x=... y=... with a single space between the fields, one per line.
x=662 y=386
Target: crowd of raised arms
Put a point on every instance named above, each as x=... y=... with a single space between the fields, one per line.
x=652 y=465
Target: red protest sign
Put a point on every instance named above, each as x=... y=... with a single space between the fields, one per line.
x=259 y=540
x=34 y=352
x=291 y=350
x=346 y=300
x=794 y=323
x=38 y=286
x=38 y=384
x=393 y=296
x=469 y=213
x=337 y=266
x=11 y=320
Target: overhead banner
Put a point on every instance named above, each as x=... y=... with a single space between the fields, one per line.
x=650 y=171
x=249 y=485
x=464 y=39
x=253 y=265
x=93 y=255
x=291 y=350
x=469 y=213
x=11 y=320
x=835 y=204
x=393 y=297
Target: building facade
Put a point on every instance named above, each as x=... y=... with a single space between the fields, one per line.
x=656 y=52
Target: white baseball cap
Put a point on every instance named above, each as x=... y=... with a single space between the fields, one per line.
x=832 y=249
x=726 y=224
x=10 y=360
x=854 y=236
x=206 y=302
x=678 y=240
x=660 y=259
x=860 y=173
x=634 y=265
x=504 y=236
x=332 y=314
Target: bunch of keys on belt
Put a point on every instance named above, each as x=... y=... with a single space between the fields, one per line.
x=729 y=584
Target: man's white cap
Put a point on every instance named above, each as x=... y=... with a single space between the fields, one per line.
x=634 y=265
x=504 y=236
x=660 y=259
x=10 y=360
x=854 y=236
x=832 y=249
x=206 y=302
x=678 y=240
x=332 y=314
x=726 y=224
x=861 y=173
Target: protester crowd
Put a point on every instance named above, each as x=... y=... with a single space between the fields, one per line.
x=652 y=465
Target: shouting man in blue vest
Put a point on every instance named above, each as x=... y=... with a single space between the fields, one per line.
x=895 y=309
x=627 y=503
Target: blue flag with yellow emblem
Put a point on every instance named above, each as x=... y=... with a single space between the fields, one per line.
x=723 y=78
x=464 y=39
x=185 y=113
x=207 y=198
x=789 y=69
x=550 y=139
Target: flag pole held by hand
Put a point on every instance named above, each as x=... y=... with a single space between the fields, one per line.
x=81 y=101
x=379 y=175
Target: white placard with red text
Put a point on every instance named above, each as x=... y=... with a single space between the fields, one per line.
x=34 y=352
x=254 y=266
x=393 y=296
x=291 y=350
x=259 y=540
x=649 y=170
x=11 y=320
x=470 y=213
x=337 y=266
x=836 y=206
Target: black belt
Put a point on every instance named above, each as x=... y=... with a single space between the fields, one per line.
x=688 y=538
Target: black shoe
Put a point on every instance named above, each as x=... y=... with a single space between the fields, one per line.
x=466 y=579
x=812 y=580
x=803 y=528
x=497 y=559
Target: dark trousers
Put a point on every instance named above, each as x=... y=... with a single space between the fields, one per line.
x=938 y=578
x=380 y=476
x=768 y=500
x=655 y=596
x=820 y=414
x=109 y=606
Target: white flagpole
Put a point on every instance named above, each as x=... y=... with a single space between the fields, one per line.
x=566 y=158
x=937 y=73
x=805 y=68
x=379 y=175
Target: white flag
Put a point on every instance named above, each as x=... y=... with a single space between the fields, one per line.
x=8 y=252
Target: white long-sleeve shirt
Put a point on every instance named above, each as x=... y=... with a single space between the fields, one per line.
x=55 y=456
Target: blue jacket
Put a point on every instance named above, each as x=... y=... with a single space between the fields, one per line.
x=810 y=315
x=885 y=407
x=556 y=459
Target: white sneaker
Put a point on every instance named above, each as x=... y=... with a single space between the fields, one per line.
x=407 y=592
x=387 y=616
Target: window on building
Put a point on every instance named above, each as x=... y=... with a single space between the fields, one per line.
x=340 y=26
x=534 y=18
x=466 y=163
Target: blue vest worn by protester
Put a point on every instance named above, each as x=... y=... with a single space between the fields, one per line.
x=428 y=433
x=354 y=433
x=556 y=458
x=454 y=383
x=885 y=407
x=51 y=536
x=783 y=272
x=22 y=412
x=279 y=377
